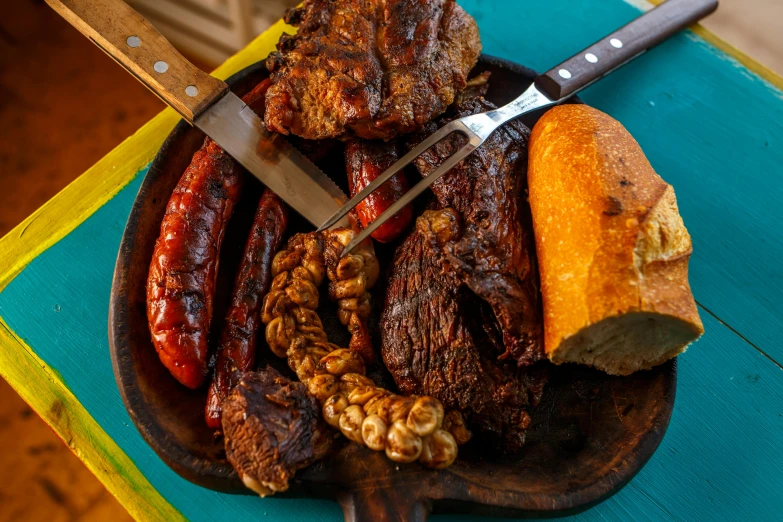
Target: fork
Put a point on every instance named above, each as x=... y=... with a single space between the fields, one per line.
x=551 y=88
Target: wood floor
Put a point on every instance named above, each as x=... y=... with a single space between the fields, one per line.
x=63 y=105
x=755 y=27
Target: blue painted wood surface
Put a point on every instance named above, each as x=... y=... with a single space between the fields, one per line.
x=712 y=130
x=722 y=455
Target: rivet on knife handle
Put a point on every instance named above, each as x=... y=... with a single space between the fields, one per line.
x=135 y=44
x=622 y=46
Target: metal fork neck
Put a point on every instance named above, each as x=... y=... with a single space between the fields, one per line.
x=529 y=100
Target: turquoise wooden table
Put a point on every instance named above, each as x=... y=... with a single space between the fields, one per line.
x=711 y=123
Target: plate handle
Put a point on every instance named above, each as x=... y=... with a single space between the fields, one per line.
x=392 y=504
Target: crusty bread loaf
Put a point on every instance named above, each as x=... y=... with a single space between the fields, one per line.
x=612 y=248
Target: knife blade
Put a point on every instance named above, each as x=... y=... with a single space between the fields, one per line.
x=205 y=102
x=272 y=159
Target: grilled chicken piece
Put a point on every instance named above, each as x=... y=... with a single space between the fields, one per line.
x=272 y=428
x=374 y=68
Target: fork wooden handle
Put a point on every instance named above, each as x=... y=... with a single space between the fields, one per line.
x=134 y=43
x=623 y=45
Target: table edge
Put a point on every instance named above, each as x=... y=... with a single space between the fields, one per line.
x=73 y=424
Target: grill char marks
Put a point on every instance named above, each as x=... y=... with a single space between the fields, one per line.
x=373 y=68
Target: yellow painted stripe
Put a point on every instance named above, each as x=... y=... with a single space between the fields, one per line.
x=79 y=200
x=749 y=63
x=42 y=388
x=716 y=41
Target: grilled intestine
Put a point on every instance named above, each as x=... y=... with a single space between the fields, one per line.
x=406 y=428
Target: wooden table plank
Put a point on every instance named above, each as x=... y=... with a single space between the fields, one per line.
x=728 y=395
x=43 y=389
x=708 y=126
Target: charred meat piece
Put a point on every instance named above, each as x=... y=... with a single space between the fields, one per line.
x=272 y=428
x=463 y=293
x=492 y=250
x=374 y=68
x=365 y=160
x=440 y=340
x=183 y=271
x=476 y=87
x=237 y=349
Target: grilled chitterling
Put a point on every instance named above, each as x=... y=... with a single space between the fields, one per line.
x=406 y=428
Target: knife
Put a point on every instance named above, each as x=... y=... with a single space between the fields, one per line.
x=206 y=102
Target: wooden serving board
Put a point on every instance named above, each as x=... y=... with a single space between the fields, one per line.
x=590 y=435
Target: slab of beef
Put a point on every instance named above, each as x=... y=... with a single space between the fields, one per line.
x=439 y=339
x=493 y=251
x=461 y=310
x=374 y=68
x=272 y=428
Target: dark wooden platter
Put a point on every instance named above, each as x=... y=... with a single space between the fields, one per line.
x=590 y=435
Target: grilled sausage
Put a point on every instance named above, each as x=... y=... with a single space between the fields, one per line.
x=236 y=352
x=182 y=276
x=365 y=160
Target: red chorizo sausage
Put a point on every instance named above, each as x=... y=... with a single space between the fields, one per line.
x=236 y=352
x=182 y=276
x=365 y=160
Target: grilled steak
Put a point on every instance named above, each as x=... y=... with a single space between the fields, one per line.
x=462 y=310
x=375 y=68
x=493 y=251
x=440 y=340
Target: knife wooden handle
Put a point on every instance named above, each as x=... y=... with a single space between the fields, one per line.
x=623 y=45
x=135 y=44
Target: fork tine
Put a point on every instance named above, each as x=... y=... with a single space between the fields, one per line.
x=394 y=169
x=409 y=196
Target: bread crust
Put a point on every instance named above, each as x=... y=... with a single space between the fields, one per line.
x=610 y=242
